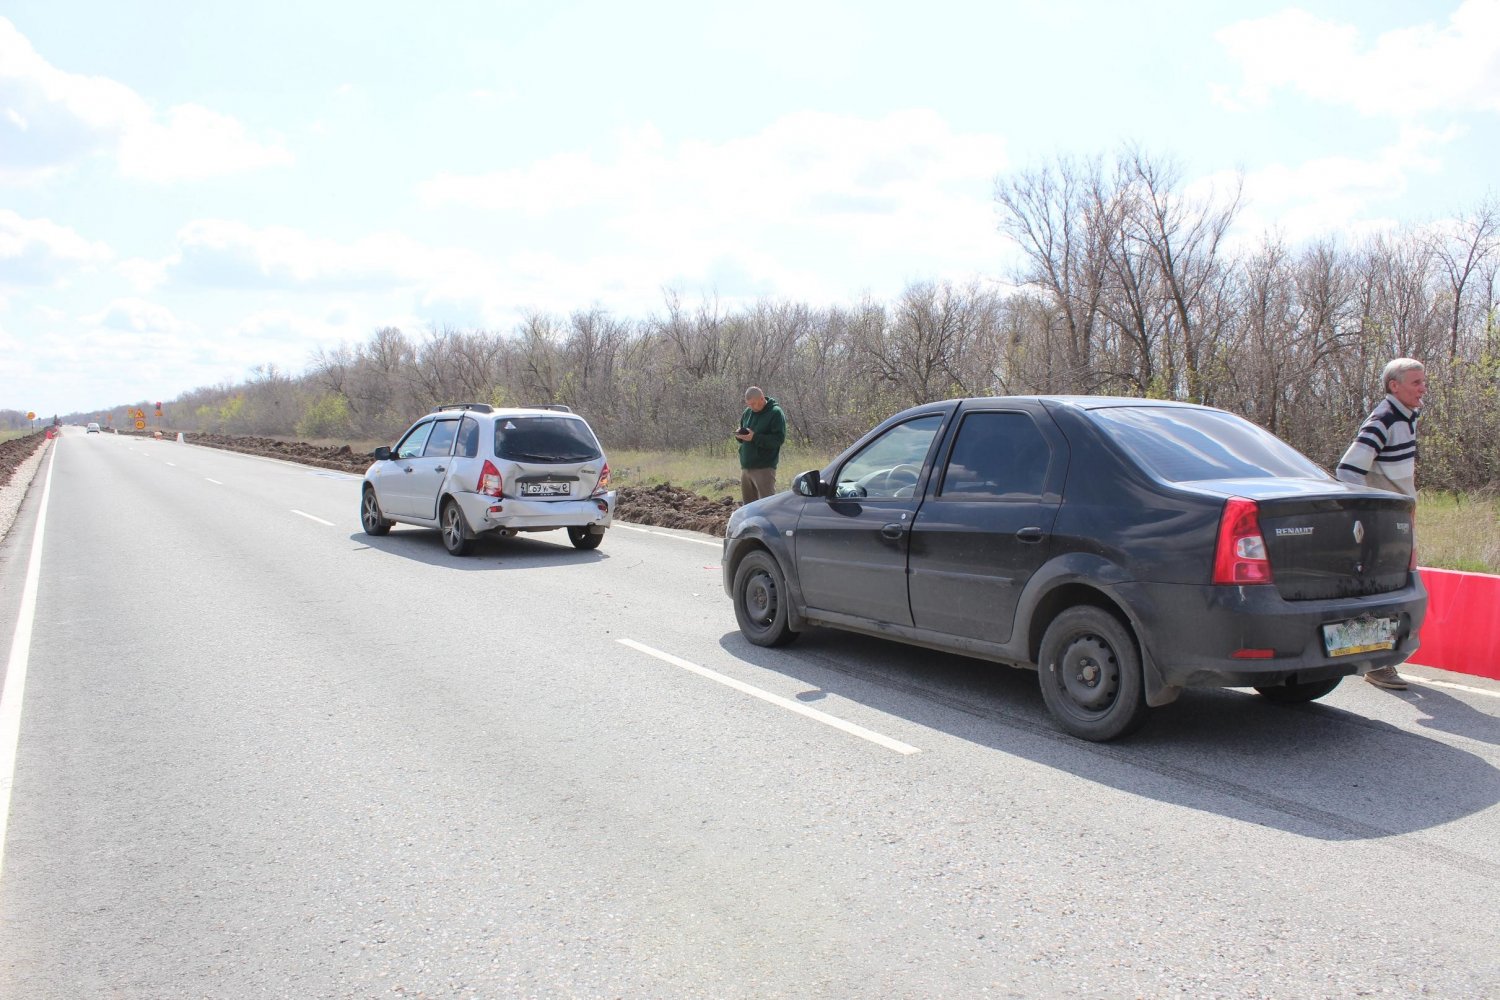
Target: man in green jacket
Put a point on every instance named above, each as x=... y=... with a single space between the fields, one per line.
x=762 y=430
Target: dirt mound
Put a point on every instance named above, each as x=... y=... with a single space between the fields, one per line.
x=16 y=451
x=664 y=506
x=669 y=506
x=342 y=458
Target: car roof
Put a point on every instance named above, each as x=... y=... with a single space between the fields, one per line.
x=1082 y=402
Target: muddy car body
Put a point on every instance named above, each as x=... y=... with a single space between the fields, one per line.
x=1125 y=548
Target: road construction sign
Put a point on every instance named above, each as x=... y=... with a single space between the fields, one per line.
x=140 y=424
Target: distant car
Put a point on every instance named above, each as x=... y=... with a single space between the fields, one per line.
x=92 y=429
x=475 y=471
x=1124 y=548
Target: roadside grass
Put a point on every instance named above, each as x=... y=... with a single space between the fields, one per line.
x=12 y=435
x=1460 y=532
x=712 y=471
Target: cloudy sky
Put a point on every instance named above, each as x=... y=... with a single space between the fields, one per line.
x=191 y=188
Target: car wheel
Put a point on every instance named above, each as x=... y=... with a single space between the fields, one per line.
x=1091 y=675
x=370 y=515
x=583 y=538
x=1296 y=694
x=761 y=601
x=455 y=538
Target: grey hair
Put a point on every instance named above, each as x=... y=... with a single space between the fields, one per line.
x=1397 y=369
x=754 y=392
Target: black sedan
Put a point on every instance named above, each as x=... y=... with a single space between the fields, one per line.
x=1124 y=548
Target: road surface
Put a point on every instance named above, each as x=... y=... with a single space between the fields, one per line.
x=263 y=755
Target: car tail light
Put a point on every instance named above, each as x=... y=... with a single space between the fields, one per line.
x=490 y=481
x=1240 y=556
x=603 y=483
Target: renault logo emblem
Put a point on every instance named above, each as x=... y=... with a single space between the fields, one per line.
x=1359 y=532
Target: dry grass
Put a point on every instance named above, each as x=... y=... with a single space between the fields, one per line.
x=1455 y=532
x=713 y=472
x=1459 y=531
x=12 y=435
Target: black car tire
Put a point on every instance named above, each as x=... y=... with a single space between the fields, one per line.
x=1091 y=675
x=454 y=531
x=761 y=601
x=583 y=538
x=371 y=517
x=1296 y=694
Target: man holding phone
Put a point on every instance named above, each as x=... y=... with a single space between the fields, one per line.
x=761 y=432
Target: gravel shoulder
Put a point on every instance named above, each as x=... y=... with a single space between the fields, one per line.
x=19 y=461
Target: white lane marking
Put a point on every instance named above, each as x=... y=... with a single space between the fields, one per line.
x=172 y=464
x=311 y=518
x=665 y=534
x=1456 y=687
x=775 y=699
x=214 y=481
x=20 y=656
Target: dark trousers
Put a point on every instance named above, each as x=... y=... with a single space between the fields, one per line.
x=757 y=483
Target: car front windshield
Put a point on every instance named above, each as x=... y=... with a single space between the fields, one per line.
x=1182 y=445
x=554 y=440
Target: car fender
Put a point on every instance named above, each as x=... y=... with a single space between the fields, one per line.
x=759 y=533
x=1047 y=593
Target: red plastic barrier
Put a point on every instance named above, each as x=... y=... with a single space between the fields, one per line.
x=1462 y=630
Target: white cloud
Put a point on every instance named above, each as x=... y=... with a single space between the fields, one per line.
x=53 y=119
x=137 y=316
x=1425 y=68
x=41 y=252
x=904 y=185
x=1340 y=194
x=228 y=254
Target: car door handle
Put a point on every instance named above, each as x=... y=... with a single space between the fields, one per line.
x=892 y=530
x=439 y=468
x=1031 y=535
x=407 y=469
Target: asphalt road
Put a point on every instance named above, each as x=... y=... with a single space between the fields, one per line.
x=263 y=755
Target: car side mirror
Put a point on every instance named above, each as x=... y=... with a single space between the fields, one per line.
x=809 y=484
x=382 y=454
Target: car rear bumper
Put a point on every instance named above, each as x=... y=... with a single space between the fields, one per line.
x=487 y=513
x=1193 y=633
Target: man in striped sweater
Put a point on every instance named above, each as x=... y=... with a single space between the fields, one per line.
x=1384 y=454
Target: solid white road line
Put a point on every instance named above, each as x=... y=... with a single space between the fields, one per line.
x=1450 y=684
x=311 y=518
x=214 y=481
x=667 y=534
x=20 y=655
x=775 y=699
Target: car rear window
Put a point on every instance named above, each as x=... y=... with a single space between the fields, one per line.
x=544 y=439
x=1183 y=445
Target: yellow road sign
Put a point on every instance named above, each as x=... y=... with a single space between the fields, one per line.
x=140 y=425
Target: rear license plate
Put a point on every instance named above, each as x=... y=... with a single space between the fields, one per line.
x=1362 y=635
x=545 y=489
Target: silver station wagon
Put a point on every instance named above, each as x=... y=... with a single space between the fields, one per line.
x=474 y=471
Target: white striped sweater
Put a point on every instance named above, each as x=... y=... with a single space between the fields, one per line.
x=1384 y=449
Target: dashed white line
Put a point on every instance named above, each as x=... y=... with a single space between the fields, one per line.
x=172 y=464
x=311 y=518
x=666 y=534
x=879 y=739
x=214 y=481
x=20 y=656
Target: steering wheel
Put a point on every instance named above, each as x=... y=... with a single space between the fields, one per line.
x=892 y=481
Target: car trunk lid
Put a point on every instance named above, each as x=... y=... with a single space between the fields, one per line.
x=1346 y=546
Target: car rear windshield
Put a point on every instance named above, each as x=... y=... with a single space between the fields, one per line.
x=1182 y=445
x=544 y=439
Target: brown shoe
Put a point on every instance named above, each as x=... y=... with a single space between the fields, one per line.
x=1386 y=677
